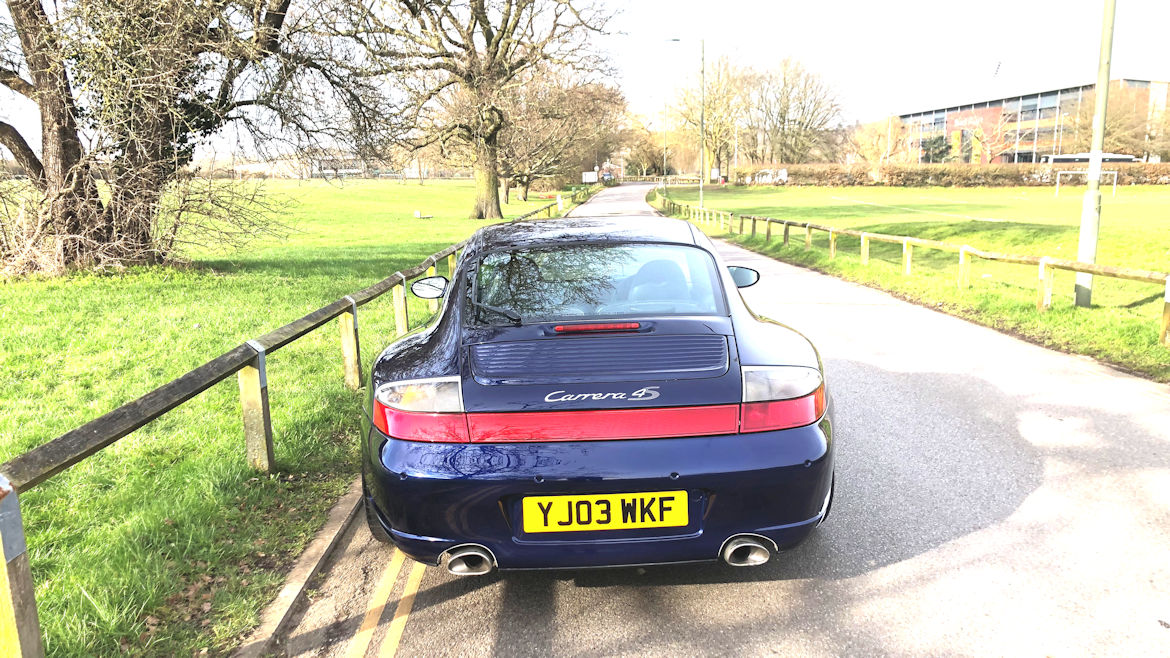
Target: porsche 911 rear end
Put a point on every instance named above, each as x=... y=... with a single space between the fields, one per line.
x=597 y=407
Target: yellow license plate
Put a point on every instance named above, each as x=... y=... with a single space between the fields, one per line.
x=657 y=509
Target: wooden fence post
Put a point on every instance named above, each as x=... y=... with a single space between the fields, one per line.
x=451 y=266
x=350 y=352
x=807 y=236
x=964 y=268
x=1166 y=316
x=432 y=304
x=864 y=249
x=832 y=245
x=257 y=416
x=401 y=321
x=741 y=224
x=907 y=257
x=20 y=630
x=767 y=230
x=753 y=226
x=1044 y=285
x=786 y=227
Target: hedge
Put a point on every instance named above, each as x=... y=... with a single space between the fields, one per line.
x=955 y=175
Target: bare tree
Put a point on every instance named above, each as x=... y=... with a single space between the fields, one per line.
x=726 y=95
x=645 y=150
x=995 y=136
x=1128 y=128
x=880 y=143
x=789 y=112
x=127 y=89
x=553 y=121
x=474 y=50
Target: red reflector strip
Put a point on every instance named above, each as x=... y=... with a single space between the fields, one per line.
x=609 y=326
x=660 y=422
x=414 y=426
x=783 y=414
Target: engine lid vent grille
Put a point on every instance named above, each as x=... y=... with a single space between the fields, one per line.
x=626 y=358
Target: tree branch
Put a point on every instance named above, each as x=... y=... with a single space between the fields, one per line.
x=16 y=83
x=25 y=157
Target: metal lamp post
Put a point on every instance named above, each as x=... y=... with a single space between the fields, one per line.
x=702 y=117
x=1091 y=206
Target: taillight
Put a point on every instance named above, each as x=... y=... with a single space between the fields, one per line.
x=596 y=326
x=780 y=397
x=421 y=410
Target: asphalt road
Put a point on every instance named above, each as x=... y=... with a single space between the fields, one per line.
x=994 y=498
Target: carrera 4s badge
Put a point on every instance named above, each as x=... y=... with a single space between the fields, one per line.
x=646 y=393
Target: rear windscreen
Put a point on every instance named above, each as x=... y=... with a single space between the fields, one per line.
x=592 y=282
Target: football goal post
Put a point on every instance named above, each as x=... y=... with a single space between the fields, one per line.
x=1082 y=172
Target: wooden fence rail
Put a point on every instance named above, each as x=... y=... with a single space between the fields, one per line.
x=19 y=628
x=1045 y=265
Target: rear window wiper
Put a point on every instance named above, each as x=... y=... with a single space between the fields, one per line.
x=512 y=316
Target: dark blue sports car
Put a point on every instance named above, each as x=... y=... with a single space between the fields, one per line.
x=595 y=392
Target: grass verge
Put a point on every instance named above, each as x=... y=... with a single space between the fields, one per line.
x=166 y=543
x=1120 y=328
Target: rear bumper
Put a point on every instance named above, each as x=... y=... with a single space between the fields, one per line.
x=431 y=497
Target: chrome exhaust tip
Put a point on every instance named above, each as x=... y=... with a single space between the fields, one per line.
x=745 y=551
x=469 y=560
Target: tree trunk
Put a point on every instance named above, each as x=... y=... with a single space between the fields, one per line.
x=487 y=181
x=507 y=189
x=524 y=190
x=71 y=204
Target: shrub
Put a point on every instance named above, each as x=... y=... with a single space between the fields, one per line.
x=953 y=174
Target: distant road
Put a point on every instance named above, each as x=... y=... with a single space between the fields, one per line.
x=994 y=498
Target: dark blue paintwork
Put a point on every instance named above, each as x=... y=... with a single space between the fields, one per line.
x=431 y=497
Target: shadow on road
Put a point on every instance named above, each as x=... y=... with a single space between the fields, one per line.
x=920 y=462
x=923 y=459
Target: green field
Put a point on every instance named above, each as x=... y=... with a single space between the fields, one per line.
x=1121 y=327
x=166 y=542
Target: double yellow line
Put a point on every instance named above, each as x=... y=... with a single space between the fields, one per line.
x=361 y=641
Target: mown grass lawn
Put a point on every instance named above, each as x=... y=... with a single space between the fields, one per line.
x=166 y=542
x=1121 y=327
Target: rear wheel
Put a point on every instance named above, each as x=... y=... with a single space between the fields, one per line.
x=372 y=520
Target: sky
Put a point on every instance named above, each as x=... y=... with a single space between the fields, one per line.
x=893 y=56
x=882 y=57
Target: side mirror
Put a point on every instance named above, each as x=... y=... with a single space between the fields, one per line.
x=743 y=276
x=431 y=287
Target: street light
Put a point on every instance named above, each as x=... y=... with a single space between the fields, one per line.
x=702 y=119
x=664 y=127
x=1091 y=205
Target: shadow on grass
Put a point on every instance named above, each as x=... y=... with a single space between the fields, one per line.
x=1014 y=237
x=1022 y=234
x=374 y=263
x=849 y=211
